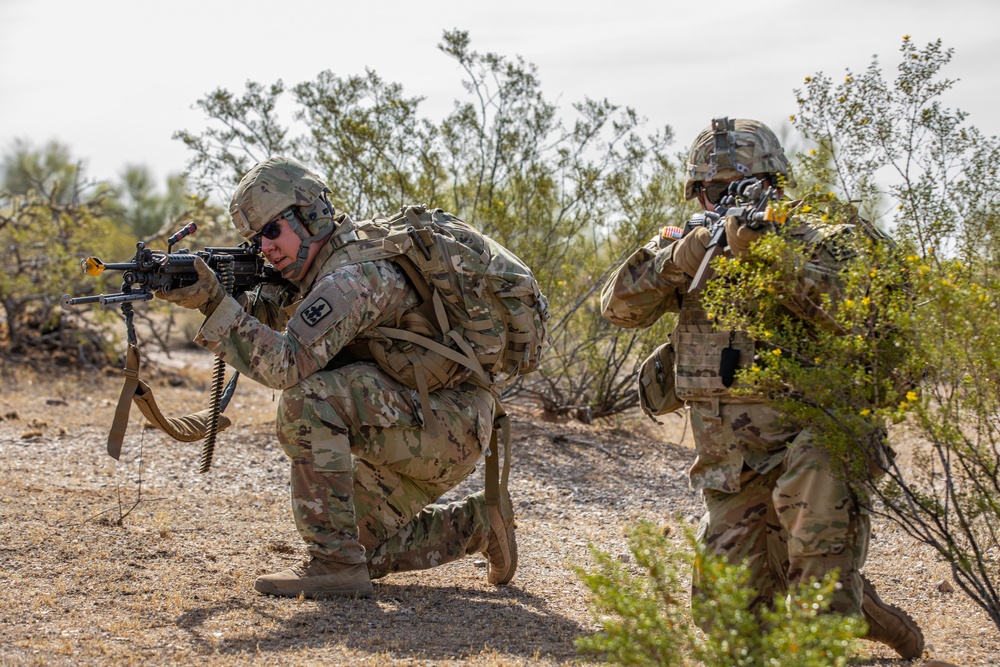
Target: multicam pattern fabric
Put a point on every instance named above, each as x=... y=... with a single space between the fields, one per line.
x=363 y=465
x=440 y=534
x=364 y=469
x=770 y=493
x=480 y=295
x=269 y=188
x=786 y=513
x=744 y=148
x=351 y=301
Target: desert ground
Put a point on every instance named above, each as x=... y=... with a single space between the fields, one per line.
x=145 y=561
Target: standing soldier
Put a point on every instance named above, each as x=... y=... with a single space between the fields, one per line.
x=771 y=497
x=366 y=467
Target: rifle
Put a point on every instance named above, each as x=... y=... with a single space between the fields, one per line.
x=240 y=269
x=749 y=201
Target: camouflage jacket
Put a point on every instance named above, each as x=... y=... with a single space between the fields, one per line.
x=339 y=306
x=649 y=284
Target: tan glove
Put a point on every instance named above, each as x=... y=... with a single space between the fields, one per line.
x=740 y=237
x=205 y=295
x=265 y=307
x=690 y=250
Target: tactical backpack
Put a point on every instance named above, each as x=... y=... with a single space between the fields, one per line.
x=476 y=296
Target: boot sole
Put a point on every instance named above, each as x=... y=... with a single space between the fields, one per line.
x=871 y=595
x=505 y=503
x=269 y=588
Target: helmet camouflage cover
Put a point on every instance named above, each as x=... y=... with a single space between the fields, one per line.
x=738 y=148
x=273 y=186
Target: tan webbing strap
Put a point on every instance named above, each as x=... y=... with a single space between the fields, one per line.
x=120 y=423
x=413 y=217
x=430 y=421
x=413 y=273
x=469 y=362
x=186 y=429
x=497 y=480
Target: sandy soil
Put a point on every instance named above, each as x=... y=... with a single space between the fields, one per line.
x=172 y=583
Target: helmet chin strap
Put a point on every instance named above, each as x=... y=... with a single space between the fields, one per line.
x=296 y=225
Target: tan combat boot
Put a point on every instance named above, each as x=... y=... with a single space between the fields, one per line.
x=890 y=625
x=501 y=547
x=315 y=578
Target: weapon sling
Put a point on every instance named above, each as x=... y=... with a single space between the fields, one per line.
x=203 y=424
x=186 y=429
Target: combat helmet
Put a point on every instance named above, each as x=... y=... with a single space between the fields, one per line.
x=282 y=186
x=737 y=148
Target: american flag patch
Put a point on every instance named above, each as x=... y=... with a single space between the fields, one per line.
x=670 y=232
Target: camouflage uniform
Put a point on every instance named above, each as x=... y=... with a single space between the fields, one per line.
x=365 y=471
x=770 y=495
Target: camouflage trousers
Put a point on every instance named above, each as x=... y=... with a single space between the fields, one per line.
x=365 y=472
x=795 y=521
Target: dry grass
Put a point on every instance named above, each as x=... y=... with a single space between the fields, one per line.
x=173 y=583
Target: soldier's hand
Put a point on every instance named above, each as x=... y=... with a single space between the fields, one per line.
x=740 y=237
x=262 y=305
x=690 y=250
x=205 y=295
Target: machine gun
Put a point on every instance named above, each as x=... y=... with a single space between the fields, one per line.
x=240 y=269
x=749 y=201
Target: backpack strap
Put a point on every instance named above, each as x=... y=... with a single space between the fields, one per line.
x=497 y=480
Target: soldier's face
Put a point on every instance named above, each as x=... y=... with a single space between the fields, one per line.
x=282 y=250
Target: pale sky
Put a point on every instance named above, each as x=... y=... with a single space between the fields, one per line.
x=113 y=79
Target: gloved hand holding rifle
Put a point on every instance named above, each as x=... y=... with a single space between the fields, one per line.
x=746 y=211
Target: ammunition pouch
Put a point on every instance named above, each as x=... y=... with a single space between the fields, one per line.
x=657 y=394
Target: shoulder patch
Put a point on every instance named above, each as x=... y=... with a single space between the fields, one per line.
x=318 y=312
x=314 y=313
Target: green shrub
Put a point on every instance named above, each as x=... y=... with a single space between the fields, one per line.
x=645 y=617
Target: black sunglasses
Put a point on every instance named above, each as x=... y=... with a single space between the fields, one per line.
x=272 y=229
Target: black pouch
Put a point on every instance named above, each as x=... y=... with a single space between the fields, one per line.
x=656 y=383
x=728 y=364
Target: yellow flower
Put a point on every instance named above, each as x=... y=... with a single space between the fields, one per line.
x=903 y=405
x=874 y=272
x=911 y=396
x=816 y=360
x=848 y=79
x=791 y=118
x=865 y=412
x=808 y=79
x=812 y=151
x=848 y=303
x=776 y=351
x=864 y=121
x=866 y=301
